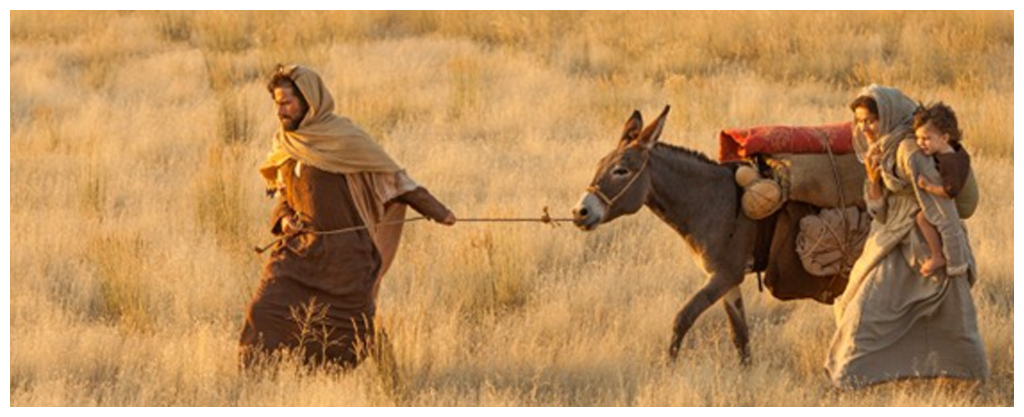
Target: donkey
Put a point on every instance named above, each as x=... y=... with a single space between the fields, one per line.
x=693 y=194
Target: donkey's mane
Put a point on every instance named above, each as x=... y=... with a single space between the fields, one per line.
x=687 y=152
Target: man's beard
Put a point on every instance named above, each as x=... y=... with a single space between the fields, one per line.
x=290 y=124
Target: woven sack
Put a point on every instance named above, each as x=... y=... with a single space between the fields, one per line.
x=810 y=178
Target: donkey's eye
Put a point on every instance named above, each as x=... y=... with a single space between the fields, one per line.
x=620 y=171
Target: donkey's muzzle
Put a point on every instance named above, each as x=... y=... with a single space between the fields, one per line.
x=579 y=216
x=587 y=214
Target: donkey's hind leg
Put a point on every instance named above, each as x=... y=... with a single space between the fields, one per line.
x=733 y=302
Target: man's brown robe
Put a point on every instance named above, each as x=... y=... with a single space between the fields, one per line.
x=337 y=272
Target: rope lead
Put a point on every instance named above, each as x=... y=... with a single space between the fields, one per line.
x=544 y=218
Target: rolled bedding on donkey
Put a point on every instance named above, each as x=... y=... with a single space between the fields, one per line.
x=743 y=143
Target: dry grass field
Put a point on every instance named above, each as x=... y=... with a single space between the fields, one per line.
x=135 y=201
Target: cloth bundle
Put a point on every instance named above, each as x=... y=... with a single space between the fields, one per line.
x=828 y=243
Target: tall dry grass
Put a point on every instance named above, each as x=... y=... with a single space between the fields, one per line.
x=135 y=199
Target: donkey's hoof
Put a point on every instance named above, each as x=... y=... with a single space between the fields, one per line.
x=745 y=359
x=673 y=350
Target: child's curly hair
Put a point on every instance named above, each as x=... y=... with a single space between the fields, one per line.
x=942 y=117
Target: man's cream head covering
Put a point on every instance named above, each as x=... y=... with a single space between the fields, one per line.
x=895 y=123
x=323 y=139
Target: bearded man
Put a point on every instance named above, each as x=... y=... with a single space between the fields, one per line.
x=318 y=289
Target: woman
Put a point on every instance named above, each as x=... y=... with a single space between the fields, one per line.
x=892 y=322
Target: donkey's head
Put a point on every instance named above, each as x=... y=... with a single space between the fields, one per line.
x=622 y=181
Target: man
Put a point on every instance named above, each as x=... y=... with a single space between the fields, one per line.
x=318 y=290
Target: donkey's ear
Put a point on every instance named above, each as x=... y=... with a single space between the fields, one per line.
x=632 y=129
x=651 y=134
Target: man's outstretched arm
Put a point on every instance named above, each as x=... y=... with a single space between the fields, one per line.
x=426 y=204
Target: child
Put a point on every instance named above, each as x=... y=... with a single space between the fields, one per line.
x=938 y=136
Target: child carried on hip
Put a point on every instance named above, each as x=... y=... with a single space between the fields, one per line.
x=938 y=136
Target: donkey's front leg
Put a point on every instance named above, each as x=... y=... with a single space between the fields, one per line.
x=712 y=291
x=733 y=302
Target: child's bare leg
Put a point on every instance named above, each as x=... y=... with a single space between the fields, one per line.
x=931 y=235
